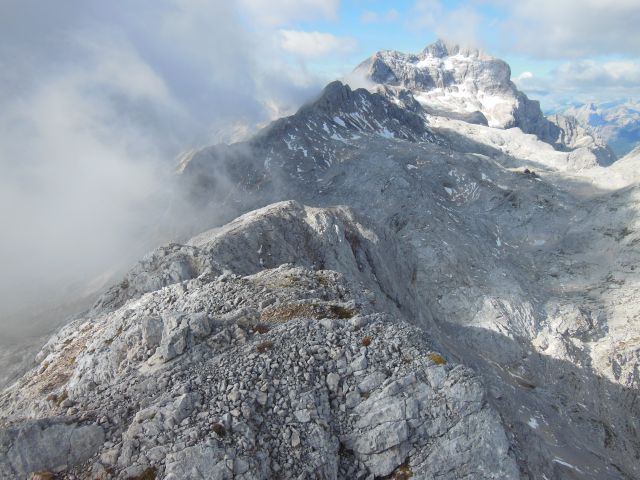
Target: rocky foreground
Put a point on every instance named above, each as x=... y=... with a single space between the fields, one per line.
x=238 y=370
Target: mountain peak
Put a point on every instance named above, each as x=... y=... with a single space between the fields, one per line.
x=443 y=48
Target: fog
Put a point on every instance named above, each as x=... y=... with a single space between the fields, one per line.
x=98 y=99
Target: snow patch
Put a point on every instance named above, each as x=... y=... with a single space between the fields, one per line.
x=339 y=121
x=562 y=462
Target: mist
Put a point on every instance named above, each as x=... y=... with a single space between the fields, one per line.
x=98 y=100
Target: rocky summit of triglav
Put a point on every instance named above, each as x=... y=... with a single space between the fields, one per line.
x=465 y=83
x=393 y=286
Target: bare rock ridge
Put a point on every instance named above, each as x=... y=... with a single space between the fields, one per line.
x=399 y=289
x=305 y=145
x=618 y=122
x=268 y=369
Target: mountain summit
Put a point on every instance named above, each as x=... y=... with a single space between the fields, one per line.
x=467 y=84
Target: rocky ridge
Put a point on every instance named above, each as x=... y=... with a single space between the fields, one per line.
x=226 y=373
x=618 y=123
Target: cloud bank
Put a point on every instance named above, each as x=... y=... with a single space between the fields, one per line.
x=570 y=28
x=583 y=81
x=98 y=99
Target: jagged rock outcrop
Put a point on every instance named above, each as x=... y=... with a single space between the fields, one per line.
x=617 y=123
x=448 y=78
x=467 y=84
x=586 y=147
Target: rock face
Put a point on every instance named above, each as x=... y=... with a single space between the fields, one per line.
x=467 y=84
x=46 y=444
x=586 y=146
x=449 y=79
x=397 y=293
x=618 y=123
x=256 y=367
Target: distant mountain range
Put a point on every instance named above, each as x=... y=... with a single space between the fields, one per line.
x=617 y=123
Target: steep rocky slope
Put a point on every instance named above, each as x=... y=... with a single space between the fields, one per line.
x=455 y=300
x=618 y=123
x=260 y=360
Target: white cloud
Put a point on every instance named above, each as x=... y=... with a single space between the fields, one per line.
x=281 y=12
x=369 y=16
x=584 y=80
x=523 y=76
x=588 y=73
x=315 y=44
x=461 y=24
x=571 y=28
x=97 y=100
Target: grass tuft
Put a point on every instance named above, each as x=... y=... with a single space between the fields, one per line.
x=437 y=359
x=219 y=429
x=148 y=474
x=264 y=346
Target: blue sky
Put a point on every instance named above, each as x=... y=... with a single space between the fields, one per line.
x=595 y=40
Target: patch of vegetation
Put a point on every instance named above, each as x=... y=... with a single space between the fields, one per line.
x=287 y=312
x=260 y=328
x=219 y=429
x=148 y=474
x=341 y=312
x=57 y=399
x=437 y=358
x=402 y=472
x=366 y=341
x=42 y=475
x=264 y=346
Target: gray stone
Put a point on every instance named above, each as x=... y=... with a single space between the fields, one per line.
x=333 y=380
x=371 y=381
x=48 y=443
